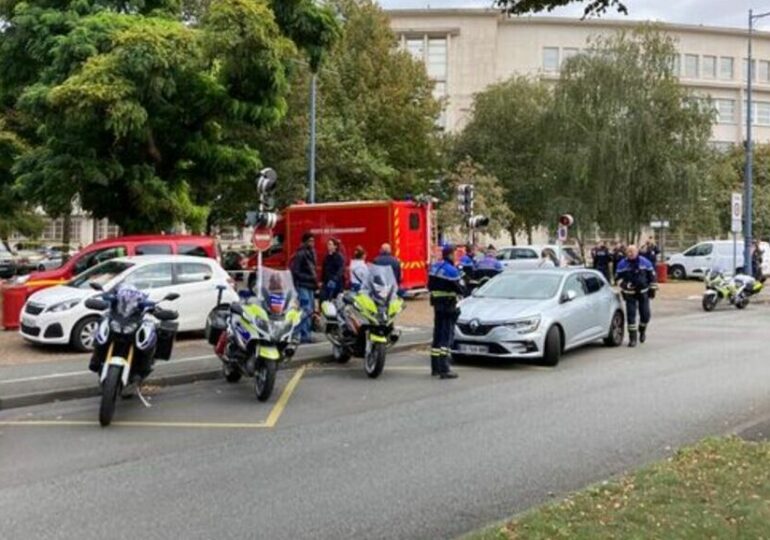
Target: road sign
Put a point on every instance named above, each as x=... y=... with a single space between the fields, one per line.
x=736 y=226
x=262 y=239
x=659 y=224
x=736 y=206
x=561 y=233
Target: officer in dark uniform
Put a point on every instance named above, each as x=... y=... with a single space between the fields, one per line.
x=637 y=280
x=618 y=254
x=601 y=258
x=445 y=286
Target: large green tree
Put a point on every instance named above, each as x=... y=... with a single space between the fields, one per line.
x=376 y=117
x=141 y=111
x=629 y=142
x=592 y=7
x=506 y=133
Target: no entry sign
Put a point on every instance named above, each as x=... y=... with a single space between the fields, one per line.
x=262 y=239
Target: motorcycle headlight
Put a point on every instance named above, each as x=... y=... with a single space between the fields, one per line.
x=525 y=326
x=128 y=328
x=63 y=306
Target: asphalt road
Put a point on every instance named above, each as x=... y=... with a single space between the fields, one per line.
x=405 y=456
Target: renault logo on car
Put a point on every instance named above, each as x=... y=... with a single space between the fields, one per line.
x=474 y=324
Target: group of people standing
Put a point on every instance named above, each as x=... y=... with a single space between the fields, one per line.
x=303 y=267
x=607 y=259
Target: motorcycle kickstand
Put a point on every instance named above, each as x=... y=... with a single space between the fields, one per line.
x=143 y=399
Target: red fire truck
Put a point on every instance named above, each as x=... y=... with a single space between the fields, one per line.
x=405 y=225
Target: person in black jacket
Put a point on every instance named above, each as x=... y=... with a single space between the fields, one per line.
x=303 y=272
x=386 y=258
x=333 y=271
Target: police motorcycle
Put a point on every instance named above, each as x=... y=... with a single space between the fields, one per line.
x=361 y=323
x=254 y=336
x=736 y=290
x=132 y=334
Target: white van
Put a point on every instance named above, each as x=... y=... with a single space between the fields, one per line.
x=717 y=254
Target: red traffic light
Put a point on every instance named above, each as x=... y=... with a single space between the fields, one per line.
x=566 y=220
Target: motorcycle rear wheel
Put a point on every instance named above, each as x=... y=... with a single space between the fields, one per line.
x=341 y=355
x=264 y=379
x=110 y=390
x=374 y=361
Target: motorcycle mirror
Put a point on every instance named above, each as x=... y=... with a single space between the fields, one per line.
x=170 y=297
x=95 y=286
x=97 y=304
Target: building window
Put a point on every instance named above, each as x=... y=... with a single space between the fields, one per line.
x=676 y=65
x=568 y=52
x=709 y=67
x=726 y=68
x=437 y=58
x=746 y=69
x=763 y=73
x=760 y=113
x=691 y=70
x=725 y=111
x=416 y=47
x=551 y=59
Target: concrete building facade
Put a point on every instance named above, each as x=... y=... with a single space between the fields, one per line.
x=466 y=50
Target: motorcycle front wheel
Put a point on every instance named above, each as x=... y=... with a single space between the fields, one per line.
x=374 y=361
x=110 y=391
x=741 y=302
x=709 y=302
x=264 y=379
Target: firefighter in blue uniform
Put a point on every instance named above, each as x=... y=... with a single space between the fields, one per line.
x=601 y=258
x=445 y=286
x=637 y=281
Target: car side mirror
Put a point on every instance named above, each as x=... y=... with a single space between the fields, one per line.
x=95 y=286
x=568 y=296
x=97 y=304
x=170 y=297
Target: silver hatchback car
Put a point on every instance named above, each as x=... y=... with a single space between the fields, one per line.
x=539 y=314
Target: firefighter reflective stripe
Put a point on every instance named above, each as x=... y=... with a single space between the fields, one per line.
x=633 y=327
x=443 y=294
x=436 y=352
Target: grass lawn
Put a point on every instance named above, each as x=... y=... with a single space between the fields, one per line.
x=718 y=489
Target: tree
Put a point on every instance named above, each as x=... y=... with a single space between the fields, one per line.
x=376 y=131
x=593 y=7
x=141 y=111
x=629 y=142
x=506 y=135
x=489 y=198
x=15 y=214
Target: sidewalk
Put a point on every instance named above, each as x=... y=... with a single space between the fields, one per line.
x=33 y=384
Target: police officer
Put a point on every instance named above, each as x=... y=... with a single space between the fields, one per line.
x=601 y=259
x=636 y=278
x=445 y=285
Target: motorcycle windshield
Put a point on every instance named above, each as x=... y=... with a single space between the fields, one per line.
x=128 y=300
x=276 y=292
x=381 y=283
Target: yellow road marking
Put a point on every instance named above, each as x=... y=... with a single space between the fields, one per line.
x=272 y=419
x=275 y=414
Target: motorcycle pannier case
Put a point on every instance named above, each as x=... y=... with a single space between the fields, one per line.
x=166 y=335
x=216 y=323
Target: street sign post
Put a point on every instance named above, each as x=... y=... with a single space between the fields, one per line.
x=736 y=215
x=262 y=239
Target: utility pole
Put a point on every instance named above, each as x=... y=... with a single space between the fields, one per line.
x=311 y=147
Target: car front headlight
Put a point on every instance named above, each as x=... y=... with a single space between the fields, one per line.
x=525 y=326
x=63 y=306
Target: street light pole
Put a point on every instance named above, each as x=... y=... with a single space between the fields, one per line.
x=748 y=179
x=311 y=149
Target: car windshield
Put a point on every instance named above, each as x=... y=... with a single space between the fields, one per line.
x=101 y=274
x=521 y=286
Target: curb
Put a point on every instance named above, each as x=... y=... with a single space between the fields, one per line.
x=188 y=376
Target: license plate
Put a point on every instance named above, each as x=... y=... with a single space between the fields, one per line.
x=474 y=349
x=27 y=321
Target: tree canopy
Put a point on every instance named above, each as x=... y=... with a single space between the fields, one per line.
x=592 y=7
x=141 y=111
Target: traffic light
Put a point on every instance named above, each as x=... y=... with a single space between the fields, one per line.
x=478 y=221
x=261 y=220
x=566 y=220
x=465 y=198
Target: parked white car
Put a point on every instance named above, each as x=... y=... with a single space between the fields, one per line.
x=529 y=257
x=58 y=315
x=713 y=254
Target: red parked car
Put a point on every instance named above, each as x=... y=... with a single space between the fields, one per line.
x=122 y=246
